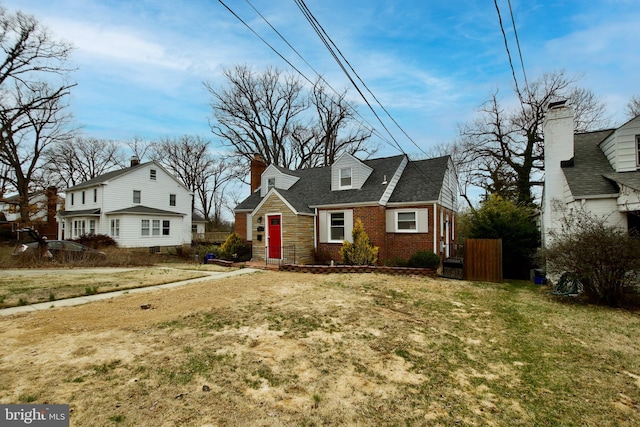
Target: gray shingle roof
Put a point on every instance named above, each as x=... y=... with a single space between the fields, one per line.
x=106 y=177
x=83 y=212
x=421 y=181
x=586 y=174
x=144 y=210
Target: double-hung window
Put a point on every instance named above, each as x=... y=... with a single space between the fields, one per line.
x=172 y=199
x=345 y=178
x=137 y=196
x=144 y=228
x=336 y=226
x=155 y=230
x=115 y=227
x=406 y=221
x=165 y=227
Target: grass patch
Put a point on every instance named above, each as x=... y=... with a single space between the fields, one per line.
x=18 y=289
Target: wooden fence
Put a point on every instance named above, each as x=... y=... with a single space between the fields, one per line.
x=483 y=260
x=210 y=237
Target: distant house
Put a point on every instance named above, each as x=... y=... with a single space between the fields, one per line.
x=139 y=206
x=405 y=206
x=598 y=172
x=43 y=206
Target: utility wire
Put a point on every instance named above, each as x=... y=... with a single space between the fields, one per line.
x=317 y=28
x=329 y=43
x=373 y=129
x=506 y=45
x=515 y=32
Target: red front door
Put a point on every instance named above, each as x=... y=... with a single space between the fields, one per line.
x=275 y=239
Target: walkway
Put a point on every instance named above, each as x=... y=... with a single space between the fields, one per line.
x=69 y=302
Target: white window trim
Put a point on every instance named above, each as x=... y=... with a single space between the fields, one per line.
x=637 y=150
x=269 y=186
x=344 y=226
x=345 y=187
x=415 y=215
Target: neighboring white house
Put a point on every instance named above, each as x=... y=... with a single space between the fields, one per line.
x=598 y=172
x=139 y=206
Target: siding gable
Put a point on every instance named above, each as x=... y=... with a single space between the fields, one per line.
x=283 y=180
x=620 y=148
x=359 y=172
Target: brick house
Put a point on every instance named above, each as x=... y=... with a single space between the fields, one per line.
x=405 y=206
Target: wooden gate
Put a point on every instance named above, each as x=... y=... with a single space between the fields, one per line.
x=483 y=260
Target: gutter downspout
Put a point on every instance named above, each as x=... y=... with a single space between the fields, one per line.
x=435 y=230
x=315 y=230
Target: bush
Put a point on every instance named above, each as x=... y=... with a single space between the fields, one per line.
x=424 y=259
x=514 y=223
x=235 y=249
x=361 y=251
x=96 y=241
x=603 y=257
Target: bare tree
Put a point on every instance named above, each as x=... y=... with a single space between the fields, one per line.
x=212 y=192
x=272 y=114
x=33 y=89
x=633 y=107
x=190 y=160
x=501 y=151
x=80 y=159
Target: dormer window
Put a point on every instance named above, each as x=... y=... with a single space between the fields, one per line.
x=271 y=183
x=345 y=178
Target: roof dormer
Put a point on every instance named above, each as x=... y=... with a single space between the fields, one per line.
x=274 y=177
x=348 y=173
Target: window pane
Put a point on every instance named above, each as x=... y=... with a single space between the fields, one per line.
x=156 y=227
x=136 y=196
x=406 y=220
x=145 y=227
x=172 y=199
x=345 y=177
x=165 y=228
x=337 y=226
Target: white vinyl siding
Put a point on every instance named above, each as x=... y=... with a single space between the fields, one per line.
x=359 y=172
x=117 y=194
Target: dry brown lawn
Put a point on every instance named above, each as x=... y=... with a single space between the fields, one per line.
x=289 y=349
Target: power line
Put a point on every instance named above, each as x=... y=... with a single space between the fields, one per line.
x=506 y=45
x=373 y=129
x=515 y=32
x=329 y=43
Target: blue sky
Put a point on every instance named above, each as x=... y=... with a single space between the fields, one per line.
x=431 y=63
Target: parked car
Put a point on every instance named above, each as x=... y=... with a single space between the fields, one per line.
x=58 y=249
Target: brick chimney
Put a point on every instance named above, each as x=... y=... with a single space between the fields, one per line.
x=135 y=160
x=258 y=166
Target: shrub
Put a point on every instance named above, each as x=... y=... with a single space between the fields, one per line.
x=514 y=223
x=361 y=251
x=424 y=259
x=96 y=241
x=603 y=257
x=235 y=249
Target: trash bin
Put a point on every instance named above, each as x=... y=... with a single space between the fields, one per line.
x=539 y=276
x=208 y=258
